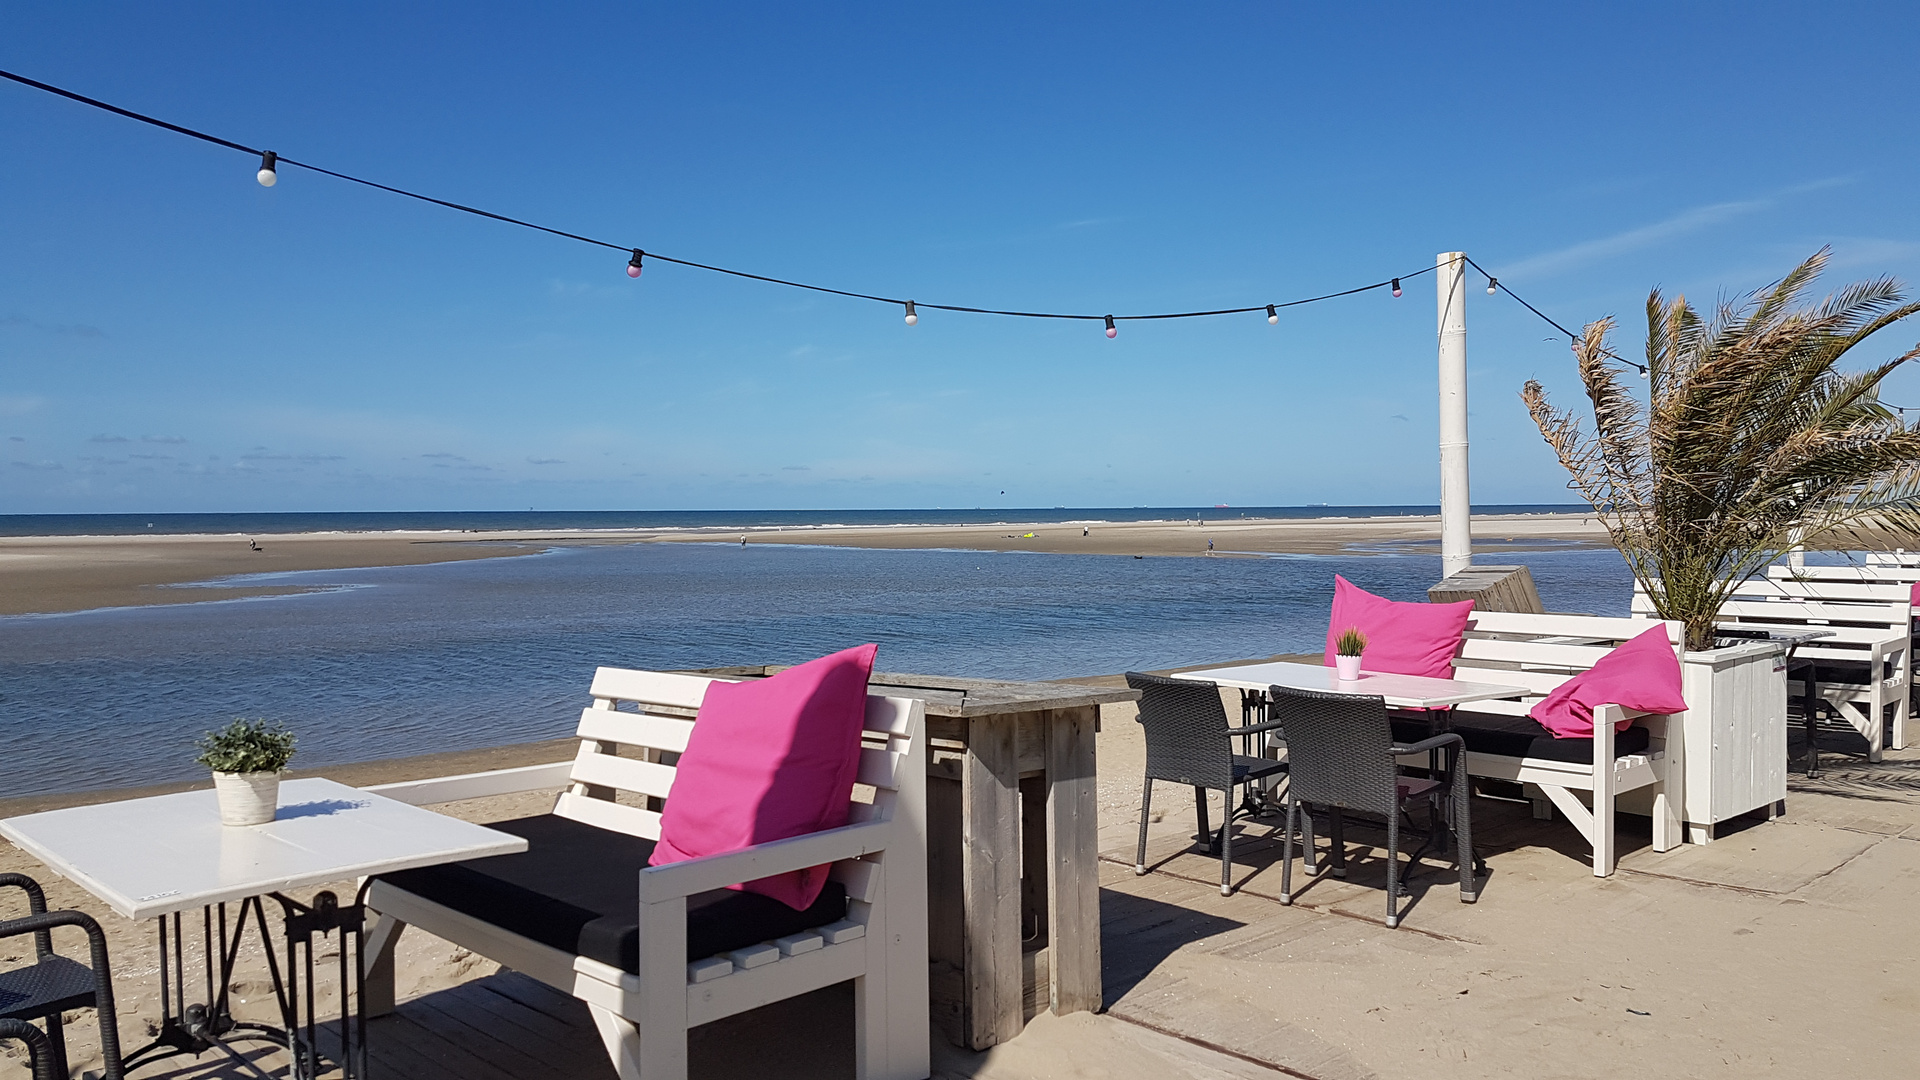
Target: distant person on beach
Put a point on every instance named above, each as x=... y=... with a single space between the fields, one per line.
x=254 y=544
x=1084 y=529
x=1209 y=545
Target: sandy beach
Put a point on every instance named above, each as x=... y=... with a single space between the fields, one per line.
x=77 y=573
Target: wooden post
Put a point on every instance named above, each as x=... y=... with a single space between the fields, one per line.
x=1073 y=877
x=1491 y=588
x=990 y=857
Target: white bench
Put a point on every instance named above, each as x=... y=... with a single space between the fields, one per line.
x=643 y=1014
x=1540 y=652
x=1863 y=671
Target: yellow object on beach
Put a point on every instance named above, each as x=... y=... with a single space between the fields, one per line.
x=1026 y=536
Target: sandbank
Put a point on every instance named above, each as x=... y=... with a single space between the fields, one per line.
x=77 y=573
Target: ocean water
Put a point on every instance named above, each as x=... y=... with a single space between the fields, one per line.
x=406 y=660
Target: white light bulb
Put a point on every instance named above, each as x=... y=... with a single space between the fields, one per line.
x=267 y=176
x=913 y=317
x=1273 y=317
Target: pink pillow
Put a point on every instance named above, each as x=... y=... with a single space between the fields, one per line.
x=1402 y=638
x=1642 y=674
x=769 y=759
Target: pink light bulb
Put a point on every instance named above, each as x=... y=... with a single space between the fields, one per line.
x=1396 y=286
x=633 y=271
x=633 y=265
x=1112 y=331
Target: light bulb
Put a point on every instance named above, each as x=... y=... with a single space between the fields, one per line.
x=913 y=317
x=1272 y=315
x=1643 y=373
x=633 y=264
x=266 y=175
x=1492 y=284
x=1396 y=286
x=1112 y=331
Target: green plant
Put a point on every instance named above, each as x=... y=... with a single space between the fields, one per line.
x=1351 y=642
x=246 y=746
x=1750 y=443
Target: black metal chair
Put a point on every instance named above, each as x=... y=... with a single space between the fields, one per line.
x=1342 y=755
x=1190 y=742
x=39 y=1050
x=53 y=984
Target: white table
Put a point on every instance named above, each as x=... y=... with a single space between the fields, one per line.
x=161 y=856
x=1400 y=691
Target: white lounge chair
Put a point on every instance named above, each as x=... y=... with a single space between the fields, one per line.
x=644 y=999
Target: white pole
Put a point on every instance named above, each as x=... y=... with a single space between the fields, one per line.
x=1456 y=515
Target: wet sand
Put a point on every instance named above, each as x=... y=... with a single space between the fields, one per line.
x=76 y=573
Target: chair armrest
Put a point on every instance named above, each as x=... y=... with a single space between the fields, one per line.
x=1432 y=742
x=441 y=789
x=39 y=1050
x=36 y=905
x=683 y=879
x=1254 y=729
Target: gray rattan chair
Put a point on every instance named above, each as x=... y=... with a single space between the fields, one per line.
x=53 y=984
x=1189 y=742
x=1342 y=753
x=39 y=1050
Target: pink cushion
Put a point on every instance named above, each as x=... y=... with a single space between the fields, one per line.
x=769 y=759
x=1402 y=638
x=1642 y=674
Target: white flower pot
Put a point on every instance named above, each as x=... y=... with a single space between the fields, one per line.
x=247 y=798
x=1347 y=668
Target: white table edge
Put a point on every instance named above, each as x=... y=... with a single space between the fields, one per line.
x=1470 y=691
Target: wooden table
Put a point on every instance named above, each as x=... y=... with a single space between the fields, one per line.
x=165 y=855
x=1013 y=832
x=1400 y=691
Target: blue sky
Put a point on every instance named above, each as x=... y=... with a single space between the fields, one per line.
x=174 y=337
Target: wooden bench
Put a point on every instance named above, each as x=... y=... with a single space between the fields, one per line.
x=678 y=949
x=1863 y=672
x=1583 y=777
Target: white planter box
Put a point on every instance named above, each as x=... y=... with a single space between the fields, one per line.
x=1734 y=735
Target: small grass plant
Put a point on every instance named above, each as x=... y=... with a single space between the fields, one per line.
x=1351 y=642
x=247 y=746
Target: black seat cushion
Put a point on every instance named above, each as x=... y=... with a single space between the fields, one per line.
x=1521 y=736
x=577 y=889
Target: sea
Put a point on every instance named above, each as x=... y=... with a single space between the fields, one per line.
x=391 y=661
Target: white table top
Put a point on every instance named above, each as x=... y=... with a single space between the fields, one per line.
x=156 y=856
x=1401 y=691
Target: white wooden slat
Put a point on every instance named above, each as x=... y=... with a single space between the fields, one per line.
x=636 y=729
x=626 y=774
x=844 y=930
x=610 y=815
x=1570 y=625
x=1540 y=682
x=657 y=687
x=477 y=785
x=799 y=944
x=754 y=956
x=1531 y=652
x=713 y=967
x=1500 y=708
x=879 y=768
x=1899 y=615
x=795 y=975
x=888 y=714
x=858 y=877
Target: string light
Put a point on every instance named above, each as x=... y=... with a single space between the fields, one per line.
x=1571 y=336
x=1493 y=284
x=268 y=176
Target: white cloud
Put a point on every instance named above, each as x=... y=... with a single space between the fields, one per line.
x=1549 y=263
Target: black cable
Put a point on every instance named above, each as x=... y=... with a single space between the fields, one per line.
x=217 y=141
x=1571 y=336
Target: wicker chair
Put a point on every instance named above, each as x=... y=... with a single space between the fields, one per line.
x=39 y=1050
x=1189 y=742
x=1342 y=756
x=53 y=984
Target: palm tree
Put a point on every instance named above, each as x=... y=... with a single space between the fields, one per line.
x=1751 y=442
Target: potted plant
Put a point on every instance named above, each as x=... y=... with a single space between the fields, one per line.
x=247 y=757
x=1346 y=653
x=1750 y=443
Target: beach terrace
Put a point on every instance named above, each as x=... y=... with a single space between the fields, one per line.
x=1778 y=949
